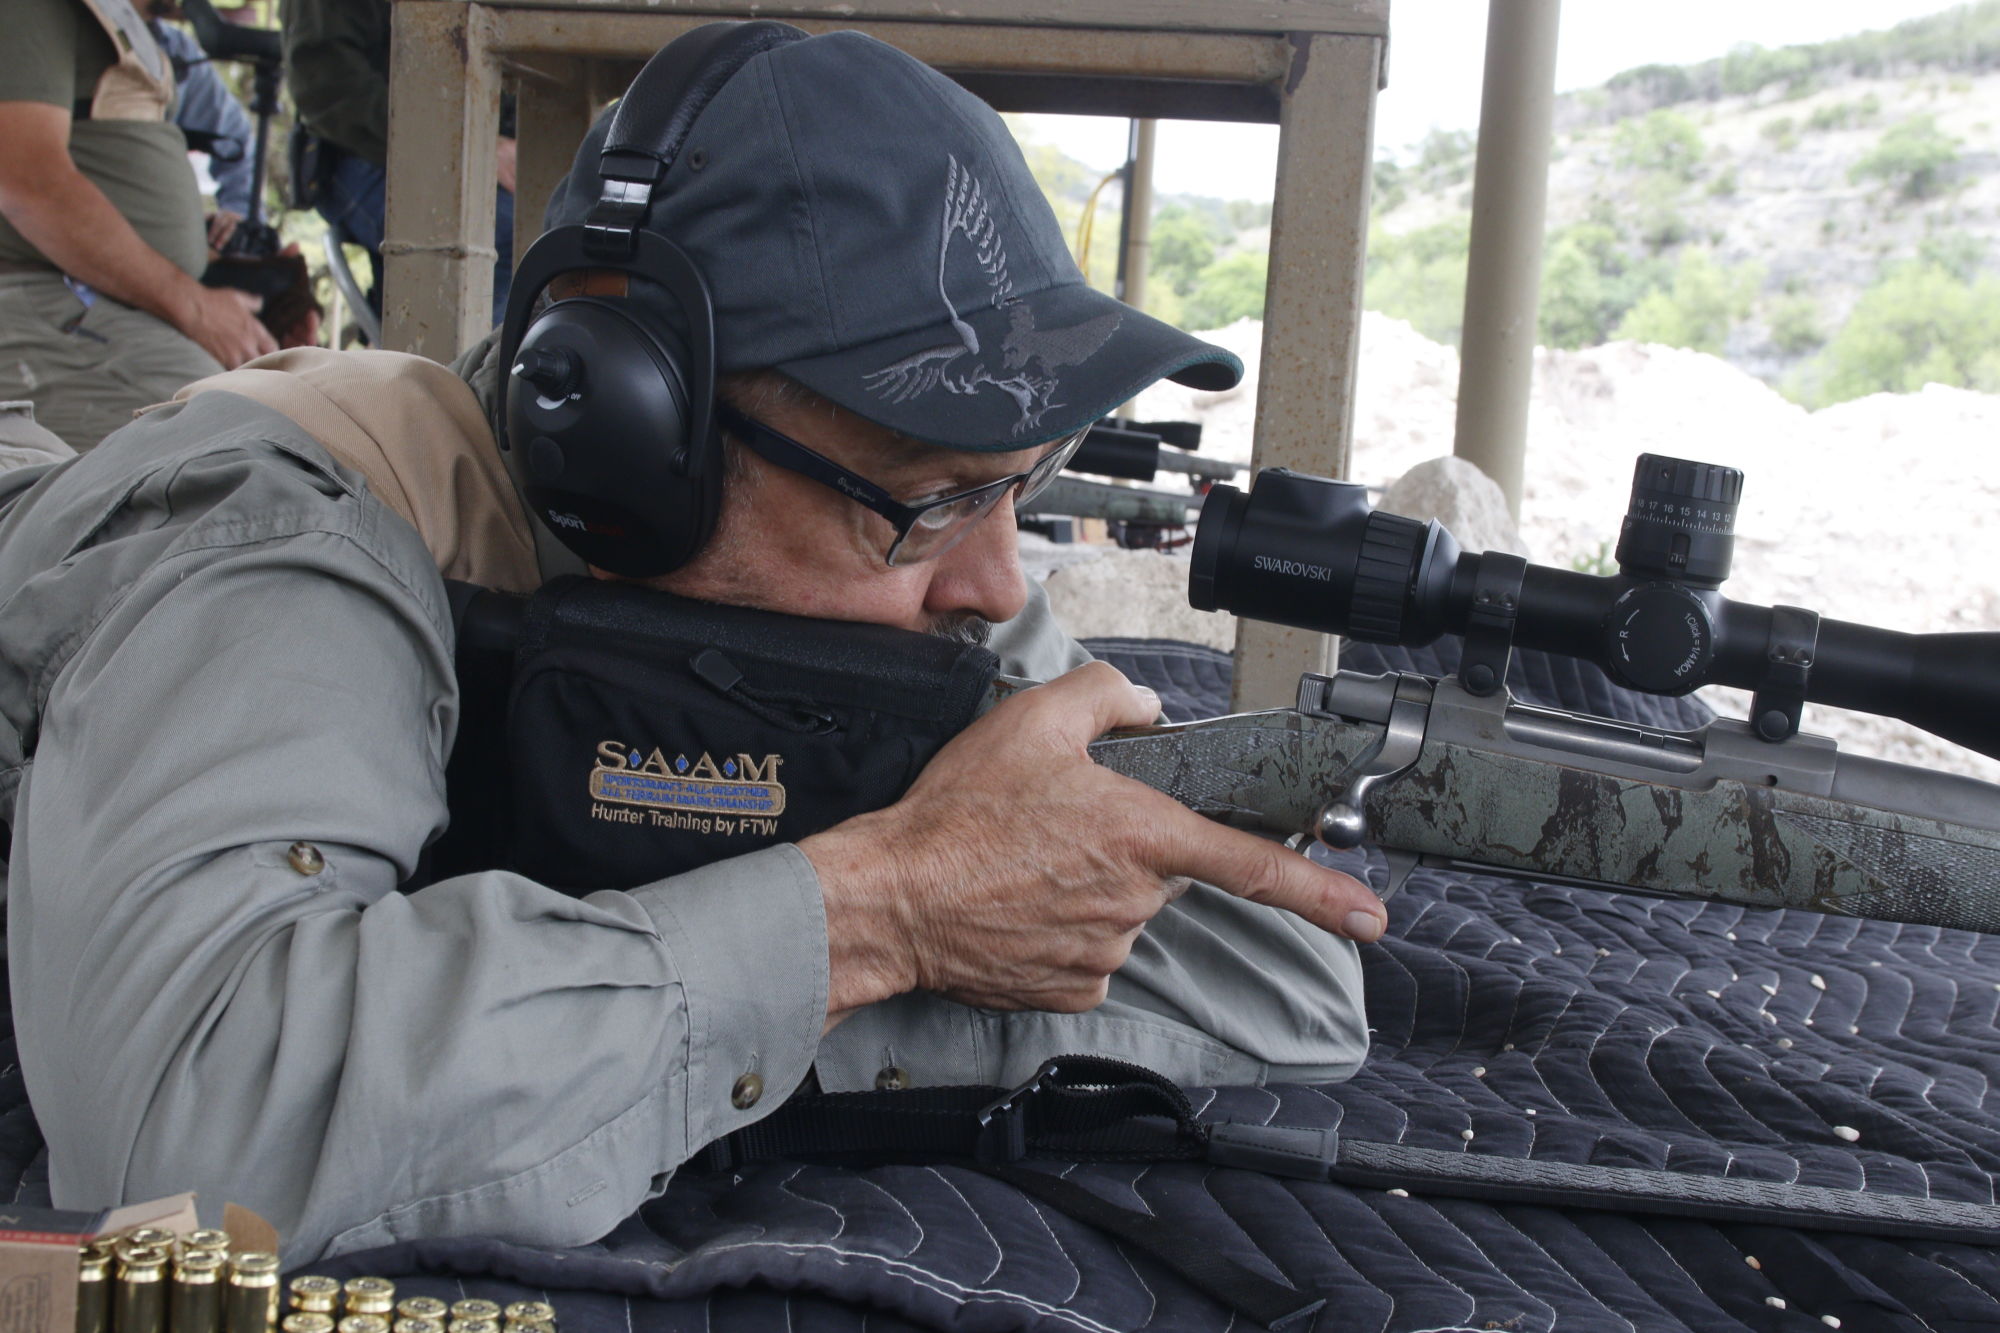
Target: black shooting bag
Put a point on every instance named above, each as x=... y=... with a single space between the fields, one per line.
x=612 y=735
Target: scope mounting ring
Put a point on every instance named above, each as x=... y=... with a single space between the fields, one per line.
x=1789 y=649
x=1489 y=629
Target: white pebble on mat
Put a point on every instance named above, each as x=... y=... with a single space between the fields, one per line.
x=1847 y=1132
x=1775 y=1302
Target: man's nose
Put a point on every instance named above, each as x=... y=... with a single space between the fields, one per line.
x=982 y=575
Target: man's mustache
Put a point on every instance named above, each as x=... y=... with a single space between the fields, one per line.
x=972 y=631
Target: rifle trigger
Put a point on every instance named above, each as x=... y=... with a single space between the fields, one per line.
x=1401 y=863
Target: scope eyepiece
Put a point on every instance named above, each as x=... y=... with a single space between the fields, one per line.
x=1681 y=522
x=1307 y=552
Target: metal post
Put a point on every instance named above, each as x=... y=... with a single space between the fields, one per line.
x=1137 y=229
x=1504 y=273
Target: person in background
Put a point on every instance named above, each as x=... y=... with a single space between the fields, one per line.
x=337 y=68
x=210 y=114
x=102 y=242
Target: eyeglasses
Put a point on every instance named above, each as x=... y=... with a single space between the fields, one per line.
x=924 y=530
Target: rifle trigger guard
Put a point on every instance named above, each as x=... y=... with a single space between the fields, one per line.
x=1343 y=823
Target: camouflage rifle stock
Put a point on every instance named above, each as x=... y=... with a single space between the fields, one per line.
x=1435 y=775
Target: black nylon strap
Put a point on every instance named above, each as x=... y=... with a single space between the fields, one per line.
x=1270 y=1303
x=1086 y=1109
x=1634 y=1190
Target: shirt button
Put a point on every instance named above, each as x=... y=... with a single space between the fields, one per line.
x=890 y=1078
x=305 y=858
x=746 y=1092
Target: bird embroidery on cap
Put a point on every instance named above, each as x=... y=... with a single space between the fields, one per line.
x=1030 y=357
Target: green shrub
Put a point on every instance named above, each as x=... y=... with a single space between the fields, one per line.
x=1795 y=326
x=1724 y=184
x=1920 y=323
x=1704 y=301
x=1958 y=253
x=1840 y=115
x=1420 y=276
x=1783 y=132
x=1589 y=281
x=1659 y=141
x=1914 y=156
x=1182 y=246
x=1226 y=291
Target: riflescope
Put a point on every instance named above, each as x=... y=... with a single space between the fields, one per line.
x=1308 y=552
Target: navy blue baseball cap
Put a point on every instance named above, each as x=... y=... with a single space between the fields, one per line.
x=870 y=228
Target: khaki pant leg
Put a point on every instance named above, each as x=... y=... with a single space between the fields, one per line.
x=87 y=381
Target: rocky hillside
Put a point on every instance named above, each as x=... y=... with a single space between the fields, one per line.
x=1826 y=217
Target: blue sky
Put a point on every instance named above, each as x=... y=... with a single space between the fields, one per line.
x=1436 y=53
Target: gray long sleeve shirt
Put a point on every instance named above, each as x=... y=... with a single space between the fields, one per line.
x=216 y=644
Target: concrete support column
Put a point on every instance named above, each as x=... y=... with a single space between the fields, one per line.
x=1503 y=279
x=1312 y=314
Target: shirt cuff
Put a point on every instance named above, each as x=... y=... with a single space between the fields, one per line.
x=748 y=939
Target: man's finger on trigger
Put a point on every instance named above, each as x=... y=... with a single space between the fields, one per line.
x=1263 y=871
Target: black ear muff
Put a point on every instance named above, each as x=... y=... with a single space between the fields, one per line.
x=612 y=407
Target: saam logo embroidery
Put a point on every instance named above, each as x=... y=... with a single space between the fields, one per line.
x=1031 y=358
x=740 y=785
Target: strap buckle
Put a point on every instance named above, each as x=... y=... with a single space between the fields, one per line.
x=1003 y=1122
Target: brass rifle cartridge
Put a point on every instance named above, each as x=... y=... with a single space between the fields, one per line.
x=208 y=1238
x=194 y=1305
x=139 y=1297
x=313 y=1294
x=475 y=1326
x=530 y=1312
x=364 y=1323
x=371 y=1295
x=93 y=1289
x=156 y=1237
x=475 y=1309
x=419 y=1324
x=251 y=1304
x=422 y=1307
x=308 y=1321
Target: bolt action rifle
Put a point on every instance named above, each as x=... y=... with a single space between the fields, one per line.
x=1454 y=773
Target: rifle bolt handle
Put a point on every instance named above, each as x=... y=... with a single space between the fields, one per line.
x=1342 y=826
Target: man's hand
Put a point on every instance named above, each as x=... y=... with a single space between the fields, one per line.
x=221 y=226
x=1016 y=873
x=70 y=221
x=503 y=163
x=223 y=320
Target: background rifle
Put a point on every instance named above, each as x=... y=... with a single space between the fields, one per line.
x=1454 y=773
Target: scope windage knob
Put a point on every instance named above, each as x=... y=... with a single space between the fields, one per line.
x=1659 y=638
x=1681 y=522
